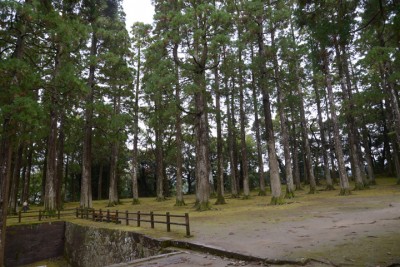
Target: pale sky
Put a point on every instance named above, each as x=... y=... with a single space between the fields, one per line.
x=138 y=10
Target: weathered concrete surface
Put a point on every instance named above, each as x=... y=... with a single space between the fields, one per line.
x=94 y=247
x=185 y=258
x=34 y=242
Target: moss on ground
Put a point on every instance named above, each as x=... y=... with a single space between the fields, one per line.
x=236 y=208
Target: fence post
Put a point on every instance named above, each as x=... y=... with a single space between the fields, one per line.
x=81 y=213
x=116 y=217
x=138 y=219
x=152 y=219
x=19 y=216
x=77 y=212
x=58 y=214
x=187 y=224
x=93 y=214
x=108 y=215
x=40 y=215
x=101 y=215
x=127 y=217
x=168 y=222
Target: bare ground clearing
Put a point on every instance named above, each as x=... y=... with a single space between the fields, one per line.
x=362 y=229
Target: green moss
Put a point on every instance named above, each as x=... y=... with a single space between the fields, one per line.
x=277 y=201
x=299 y=188
x=213 y=195
x=161 y=199
x=220 y=200
x=203 y=206
x=313 y=190
x=135 y=201
x=245 y=197
x=262 y=193
x=289 y=194
x=180 y=203
x=329 y=187
x=359 y=186
x=345 y=192
x=50 y=213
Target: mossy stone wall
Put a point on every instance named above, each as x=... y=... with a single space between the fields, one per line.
x=91 y=246
x=33 y=242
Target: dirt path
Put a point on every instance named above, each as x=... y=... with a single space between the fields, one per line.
x=347 y=231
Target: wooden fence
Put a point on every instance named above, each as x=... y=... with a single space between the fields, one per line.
x=41 y=215
x=138 y=217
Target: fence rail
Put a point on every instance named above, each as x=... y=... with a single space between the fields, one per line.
x=107 y=216
x=138 y=217
x=41 y=215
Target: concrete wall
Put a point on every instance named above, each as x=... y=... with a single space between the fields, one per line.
x=35 y=242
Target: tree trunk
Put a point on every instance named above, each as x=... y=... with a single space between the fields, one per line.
x=179 y=143
x=262 y=191
x=100 y=183
x=60 y=162
x=243 y=147
x=231 y=148
x=273 y=162
x=359 y=185
x=5 y=166
x=86 y=183
x=220 y=157
x=113 y=188
x=159 y=166
x=344 y=183
x=51 y=167
x=202 y=150
x=282 y=117
x=134 y=171
x=304 y=129
x=15 y=177
x=27 y=177
x=325 y=153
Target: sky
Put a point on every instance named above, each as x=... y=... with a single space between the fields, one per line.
x=138 y=10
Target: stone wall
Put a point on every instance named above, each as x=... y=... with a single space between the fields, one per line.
x=82 y=246
x=34 y=242
x=91 y=246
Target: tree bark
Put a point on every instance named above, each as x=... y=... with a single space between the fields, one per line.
x=344 y=183
x=325 y=153
x=202 y=150
x=356 y=172
x=159 y=166
x=261 y=179
x=231 y=148
x=134 y=171
x=60 y=162
x=220 y=157
x=51 y=166
x=113 y=188
x=100 y=183
x=27 y=177
x=86 y=188
x=243 y=147
x=5 y=166
x=273 y=162
x=283 y=120
x=15 y=178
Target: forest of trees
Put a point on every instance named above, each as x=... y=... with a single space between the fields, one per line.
x=215 y=98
